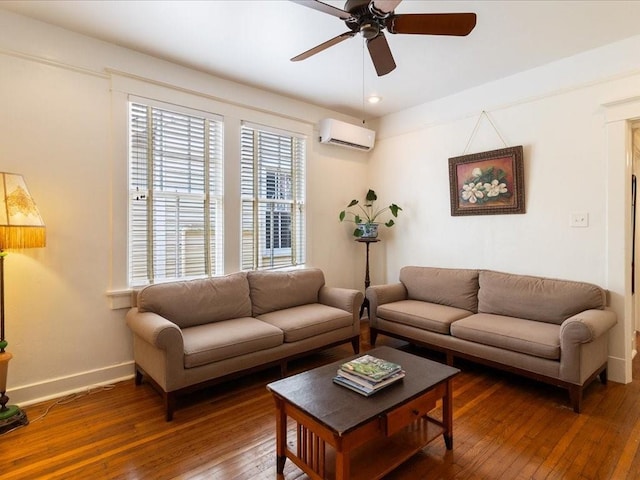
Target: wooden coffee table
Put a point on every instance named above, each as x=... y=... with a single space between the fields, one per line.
x=342 y=435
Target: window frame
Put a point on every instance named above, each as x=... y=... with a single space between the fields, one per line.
x=177 y=161
x=258 y=195
x=235 y=107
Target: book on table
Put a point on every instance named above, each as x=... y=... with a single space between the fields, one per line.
x=366 y=375
x=364 y=386
x=371 y=368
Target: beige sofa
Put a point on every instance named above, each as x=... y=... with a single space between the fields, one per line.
x=191 y=334
x=555 y=331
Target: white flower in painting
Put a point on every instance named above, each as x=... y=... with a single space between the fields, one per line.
x=495 y=188
x=476 y=172
x=471 y=192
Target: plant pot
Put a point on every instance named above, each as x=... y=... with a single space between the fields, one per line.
x=368 y=230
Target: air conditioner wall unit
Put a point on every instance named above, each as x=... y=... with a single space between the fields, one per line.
x=346 y=134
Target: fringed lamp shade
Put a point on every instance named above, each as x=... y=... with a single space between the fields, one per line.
x=20 y=223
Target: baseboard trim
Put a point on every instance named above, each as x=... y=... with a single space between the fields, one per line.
x=617 y=370
x=62 y=386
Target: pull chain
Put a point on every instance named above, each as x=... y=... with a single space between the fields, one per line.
x=363 y=112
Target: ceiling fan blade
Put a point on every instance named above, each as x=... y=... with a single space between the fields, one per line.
x=385 y=6
x=323 y=46
x=459 y=24
x=381 y=54
x=323 y=7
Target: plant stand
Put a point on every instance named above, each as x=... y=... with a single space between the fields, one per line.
x=367 y=282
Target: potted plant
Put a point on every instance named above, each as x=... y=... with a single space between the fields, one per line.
x=366 y=214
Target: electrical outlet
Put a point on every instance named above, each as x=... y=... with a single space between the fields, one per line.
x=579 y=220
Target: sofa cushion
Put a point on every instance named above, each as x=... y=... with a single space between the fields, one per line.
x=519 y=335
x=447 y=286
x=536 y=298
x=272 y=291
x=196 y=302
x=425 y=315
x=308 y=320
x=217 y=341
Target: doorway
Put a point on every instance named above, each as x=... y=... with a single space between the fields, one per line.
x=635 y=244
x=635 y=209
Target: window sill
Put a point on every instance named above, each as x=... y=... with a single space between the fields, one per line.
x=119 y=299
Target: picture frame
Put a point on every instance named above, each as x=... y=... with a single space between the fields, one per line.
x=487 y=183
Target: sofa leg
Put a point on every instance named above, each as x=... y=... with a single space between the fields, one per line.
x=355 y=343
x=283 y=369
x=373 y=336
x=169 y=405
x=139 y=376
x=575 y=395
x=450 y=359
x=603 y=376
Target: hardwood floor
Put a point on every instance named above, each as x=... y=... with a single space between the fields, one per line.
x=505 y=427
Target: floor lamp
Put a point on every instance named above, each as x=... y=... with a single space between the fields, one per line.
x=20 y=227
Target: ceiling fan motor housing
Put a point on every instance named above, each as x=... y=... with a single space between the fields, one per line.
x=356 y=6
x=364 y=18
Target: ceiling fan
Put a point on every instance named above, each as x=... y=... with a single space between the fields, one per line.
x=371 y=17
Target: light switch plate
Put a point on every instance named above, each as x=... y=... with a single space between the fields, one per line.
x=579 y=220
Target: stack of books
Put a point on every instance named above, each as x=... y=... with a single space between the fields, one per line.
x=367 y=374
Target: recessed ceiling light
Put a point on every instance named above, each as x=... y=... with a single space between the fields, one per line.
x=374 y=99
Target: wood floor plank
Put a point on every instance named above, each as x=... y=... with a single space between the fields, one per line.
x=505 y=427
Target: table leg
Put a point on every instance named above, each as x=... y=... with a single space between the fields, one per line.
x=447 y=415
x=342 y=465
x=281 y=436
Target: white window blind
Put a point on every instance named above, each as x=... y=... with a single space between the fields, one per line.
x=273 y=193
x=175 y=201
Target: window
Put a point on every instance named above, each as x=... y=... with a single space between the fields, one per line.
x=273 y=213
x=278 y=218
x=175 y=201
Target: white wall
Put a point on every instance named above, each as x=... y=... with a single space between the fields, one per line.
x=63 y=126
x=558 y=114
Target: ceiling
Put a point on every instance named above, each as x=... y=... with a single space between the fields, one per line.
x=251 y=42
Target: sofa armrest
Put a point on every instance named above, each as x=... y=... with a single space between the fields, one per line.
x=343 y=298
x=381 y=294
x=155 y=330
x=346 y=299
x=584 y=344
x=587 y=326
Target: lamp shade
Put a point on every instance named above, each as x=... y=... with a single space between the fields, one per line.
x=20 y=223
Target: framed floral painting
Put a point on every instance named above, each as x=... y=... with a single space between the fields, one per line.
x=487 y=183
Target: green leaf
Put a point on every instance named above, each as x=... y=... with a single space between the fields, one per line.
x=357 y=232
x=371 y=196
x=394 y=209
x=353 y=202
x=357 y=219
x=390 y=223
x=342 y=215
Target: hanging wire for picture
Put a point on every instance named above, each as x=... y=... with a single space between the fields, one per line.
x=475 y=130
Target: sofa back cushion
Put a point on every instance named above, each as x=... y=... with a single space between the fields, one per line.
x=536 y=298
x=447 y=286
x=272 y=291
x=196 y=302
